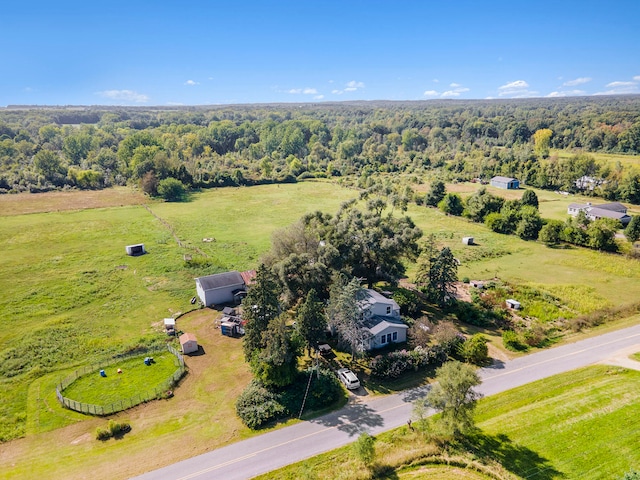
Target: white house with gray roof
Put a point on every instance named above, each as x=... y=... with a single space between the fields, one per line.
x=614 y=210
x=381 y=320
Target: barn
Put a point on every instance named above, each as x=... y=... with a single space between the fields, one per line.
x=507 y=183
x=220 y=288
x=188 y=343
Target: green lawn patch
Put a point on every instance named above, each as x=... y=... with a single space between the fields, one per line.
x=582 y=424
x=137 y=379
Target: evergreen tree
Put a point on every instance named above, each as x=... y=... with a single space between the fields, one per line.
x=344 y=313
x=260 y=306
x=632 y=232
x=311 y=321
x=435 y=194
x=529 y=197
x=437 y=274
x=451 y=204
x=276 y=364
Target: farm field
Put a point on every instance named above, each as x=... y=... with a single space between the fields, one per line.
x=566 y=426
x=72 y=296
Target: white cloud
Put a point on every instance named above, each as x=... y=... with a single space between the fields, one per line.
x=351 y=86
x=637 y=78
x=567 y=93
x=435 y=80
x=303 y=91
x=191 y=83
x=620 y=84
x=577 y=81
x=318 y=97
x=455 y=91
x=175 y=104
x=516 y=89
x=124 y=95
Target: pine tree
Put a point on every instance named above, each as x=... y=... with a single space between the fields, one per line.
x=311 y=320
x=260 y=306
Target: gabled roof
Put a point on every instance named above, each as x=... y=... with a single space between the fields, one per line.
x=376 y=323
x=187 y=337
x=371 y=297
x=604 y=213
x=221 y=280
x=498 y=178
x=614 y=207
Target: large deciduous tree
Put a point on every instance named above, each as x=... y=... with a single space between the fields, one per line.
x=454 y=396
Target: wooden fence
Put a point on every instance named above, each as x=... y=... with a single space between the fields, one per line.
x=124 y=403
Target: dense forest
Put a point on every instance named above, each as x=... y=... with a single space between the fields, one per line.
x=47 y=148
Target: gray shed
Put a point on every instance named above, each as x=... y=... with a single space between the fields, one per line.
x=220 y=288
x=467 y=240
x=513 y=304
x=134 y=250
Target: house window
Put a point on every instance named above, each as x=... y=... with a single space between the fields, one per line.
x=395 y=336
x=383 y=339
x=388 y=309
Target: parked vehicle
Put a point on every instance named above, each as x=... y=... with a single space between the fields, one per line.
x=349 y=379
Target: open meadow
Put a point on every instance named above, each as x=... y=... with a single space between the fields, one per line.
x=71 y=296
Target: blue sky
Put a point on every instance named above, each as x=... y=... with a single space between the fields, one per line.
x=219 y=52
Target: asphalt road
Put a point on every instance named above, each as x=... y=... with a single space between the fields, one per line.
x=278 y=448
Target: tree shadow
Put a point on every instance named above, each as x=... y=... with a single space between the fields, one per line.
x=518 y=459
x=353 y=419
x=495 y=364
x=410 y=396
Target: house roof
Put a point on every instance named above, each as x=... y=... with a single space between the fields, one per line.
x=604 y=213
x=376 y=323
x=371 y=297
x=248 y=276
x=614 y=207
x=221 y=280
x=170 y=321
x=498 y=178
x=187 y=337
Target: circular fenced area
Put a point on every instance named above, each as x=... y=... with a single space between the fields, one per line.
x=123 y=382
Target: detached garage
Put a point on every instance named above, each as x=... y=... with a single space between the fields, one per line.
x=505 y=182
x=188 y=343
x=220 y=288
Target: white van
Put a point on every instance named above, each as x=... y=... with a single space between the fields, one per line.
x=349 y=379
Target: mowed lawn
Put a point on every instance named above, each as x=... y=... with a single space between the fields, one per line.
x=135 y=379
x=583 y=424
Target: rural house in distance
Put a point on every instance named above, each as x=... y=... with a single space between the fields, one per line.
x=507 y=183
x=614 y=210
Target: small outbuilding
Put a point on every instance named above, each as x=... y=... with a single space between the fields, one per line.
x=467 y=240
x=513 y=304
x=170 y=325
x=135 y=250
x=507 y=183
x=188 y=343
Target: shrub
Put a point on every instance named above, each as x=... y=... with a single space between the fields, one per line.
x=365 y=448
x=171 y=189
x=114 y=429
x=257 y=405
x=408 y=301
x=512 y=341
x=102 y=434
x=394 y=364
x=474 y=350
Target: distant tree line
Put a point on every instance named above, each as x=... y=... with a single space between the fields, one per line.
x=47 y=148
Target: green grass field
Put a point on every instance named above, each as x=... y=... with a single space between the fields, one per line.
x=578 y=425
x=71 y=296
x=136 y=379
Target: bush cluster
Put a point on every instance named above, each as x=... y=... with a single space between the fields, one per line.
x=258 y=405
x=394 y=364
x=114 y=429
x=512 y=341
